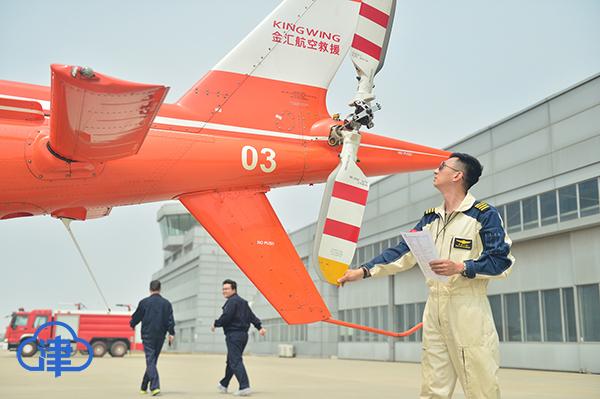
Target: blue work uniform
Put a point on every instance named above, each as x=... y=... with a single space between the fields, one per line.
x=235 y=320
x=156 y=315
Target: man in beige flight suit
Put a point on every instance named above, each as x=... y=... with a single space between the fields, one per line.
x=459 y=337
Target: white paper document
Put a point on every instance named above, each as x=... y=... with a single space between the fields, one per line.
x=422 y=247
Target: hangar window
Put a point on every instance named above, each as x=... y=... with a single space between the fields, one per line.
x=513 y=316
x=360 y=255
x=588 y=197
x=530 y=212
x=374 y=316
x=531 y=313
x=284 y=332
x=567 y=198
x=303 y=332
x=374 y=323
x=400 y=325
x=349 y=331
x=356 y=319
x=552 y=316
x=343 y=331
x=275 y=331
x=569 y=315
x=369 y=253
x=589 y=310
x=377 y=248
x=513 y=215
x=411 y=319
x=366 y=321
x=384 y=321
x=548 y=208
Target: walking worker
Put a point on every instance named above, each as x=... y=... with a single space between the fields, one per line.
x=459 y=337
x=235 y=320
x=156 y=315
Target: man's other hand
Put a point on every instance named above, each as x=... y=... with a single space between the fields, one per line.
x=262 y=332
x=351 y=275
x=446 y=267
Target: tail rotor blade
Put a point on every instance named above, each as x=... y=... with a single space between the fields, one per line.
x=340 y=218
x=370 y=43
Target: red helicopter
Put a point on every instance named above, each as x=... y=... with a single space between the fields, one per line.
x=258 y=120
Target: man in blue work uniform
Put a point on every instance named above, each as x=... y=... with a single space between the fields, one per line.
x=459 y=337
x=156 y=315
x=235 y=320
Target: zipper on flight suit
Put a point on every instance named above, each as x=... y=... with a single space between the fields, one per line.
x=446 y=222
x=437 y=284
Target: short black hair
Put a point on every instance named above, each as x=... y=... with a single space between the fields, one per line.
x=232 y=283
x=471 y=166
x=154 y=285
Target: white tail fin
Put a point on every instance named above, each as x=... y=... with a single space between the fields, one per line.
x=301 y=41
x=280 y=72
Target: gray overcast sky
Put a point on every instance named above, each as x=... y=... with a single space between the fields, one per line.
x=451 y=69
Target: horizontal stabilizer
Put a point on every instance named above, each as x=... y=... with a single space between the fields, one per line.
x=98 y=118
x=30 y=111
x=247 y=228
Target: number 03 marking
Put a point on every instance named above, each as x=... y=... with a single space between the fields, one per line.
x=250 y=159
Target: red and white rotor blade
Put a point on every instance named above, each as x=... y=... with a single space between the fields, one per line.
x=370 y=43
x=340 y=218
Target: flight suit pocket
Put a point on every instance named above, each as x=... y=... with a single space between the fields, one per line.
x=469 y=321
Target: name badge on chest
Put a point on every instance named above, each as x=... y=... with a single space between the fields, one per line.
x=463 y=243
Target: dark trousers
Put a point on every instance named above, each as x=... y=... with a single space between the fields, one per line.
x=236 y=342
x=152 y=348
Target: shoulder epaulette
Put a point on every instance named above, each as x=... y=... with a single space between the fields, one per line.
x=481 y=206
x=430 y=211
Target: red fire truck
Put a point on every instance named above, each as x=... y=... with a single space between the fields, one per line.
x=106 y=332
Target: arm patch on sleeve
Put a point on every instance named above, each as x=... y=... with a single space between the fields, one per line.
x=481 y=206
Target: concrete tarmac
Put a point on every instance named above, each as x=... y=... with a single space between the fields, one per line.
x=196 y=375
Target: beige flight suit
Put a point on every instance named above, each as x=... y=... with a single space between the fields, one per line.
x=459 y=337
